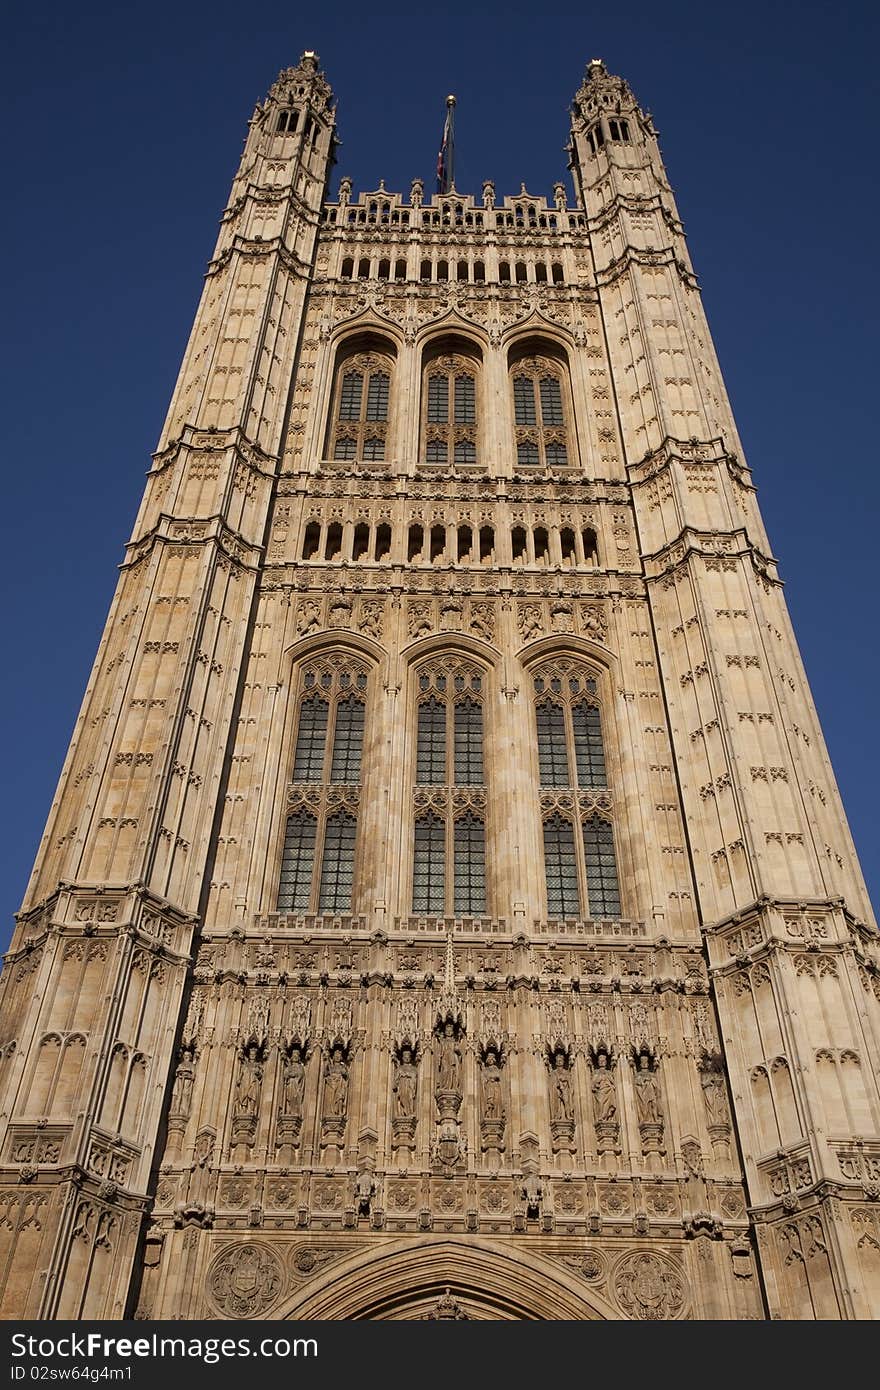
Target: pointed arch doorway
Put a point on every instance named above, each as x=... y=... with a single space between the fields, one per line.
x=442 y=1278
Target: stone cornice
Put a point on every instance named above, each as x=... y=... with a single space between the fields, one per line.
x=638 y=256
x=193 y=440
x=711 y=545
x=255 y=249
x=195 y=531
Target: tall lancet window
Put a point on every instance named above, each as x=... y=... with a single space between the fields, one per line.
x=449 y=797
x=450 y=406
x=319 y=857
x=360 y=408
x=541 y=411
x=580 y=865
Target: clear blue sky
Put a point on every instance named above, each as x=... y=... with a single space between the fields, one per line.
x=123 y=129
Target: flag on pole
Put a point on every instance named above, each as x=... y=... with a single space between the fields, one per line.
x=446 y=157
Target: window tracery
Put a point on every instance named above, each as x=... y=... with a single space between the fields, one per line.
x=449 y=797
x=360 y=409
x=580 y=865
x=320 y=842
x=540 y=412
x=450 y=395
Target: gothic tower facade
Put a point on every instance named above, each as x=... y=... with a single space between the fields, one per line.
x=447 y=908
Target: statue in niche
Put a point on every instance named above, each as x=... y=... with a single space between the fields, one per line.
x=250 y=1081
x=604 y=1092
x=364 y=1191
x=712 y=1083
x=560 y=1089
x=184 y=1076
x=203 y=1154
x=336 y=1085
x=405 y=1086
x=449 y=1065
x=648 y=1106
x=493 y=1095
x=293 y=1083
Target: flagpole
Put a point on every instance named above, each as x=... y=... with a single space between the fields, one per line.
x=450 y=117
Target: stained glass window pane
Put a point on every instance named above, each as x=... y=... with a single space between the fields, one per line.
x=560 y=869
x=527 y=454
x=431 y=749
x=465 y=400
x=469 y=866
x=429 y=866
x=348 y=741
x=337 y=868
x=350 y=396
x=377 y=396
x=524 y=400
x=297 y=862
x=603 y=890
x=308 y=762
x=468 y=743
x=552 y=754
x=438 y=400
x=551 y=401
x=588 y=751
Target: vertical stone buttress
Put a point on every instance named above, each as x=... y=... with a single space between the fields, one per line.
x=784 y=910
x=93 y=983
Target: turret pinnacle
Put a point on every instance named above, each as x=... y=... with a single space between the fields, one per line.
x=602 y=91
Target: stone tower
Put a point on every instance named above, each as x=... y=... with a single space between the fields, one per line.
x=447 y=909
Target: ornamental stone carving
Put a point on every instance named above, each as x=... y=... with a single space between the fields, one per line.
x=245 y=1280
x=649 y=1287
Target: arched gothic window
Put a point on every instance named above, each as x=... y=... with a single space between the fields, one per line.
x=449 y=798
x=580 y=865
x=361 y=399
x=320 y=841
x=540 y=412
x=449 y=413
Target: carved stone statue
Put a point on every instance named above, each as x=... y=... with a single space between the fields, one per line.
x=336 y=1085
x=648 y=1106
x=560 y=1089
x=364 y=1191
x=449 y=1064
x=293 y=1083
x=250 y=1081
x=493 y=1096
x=181 y=1096
x=200 y=1182
x=604 y=1092
x=712 y=1083
x=532 y=1191
x=405 y=1086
